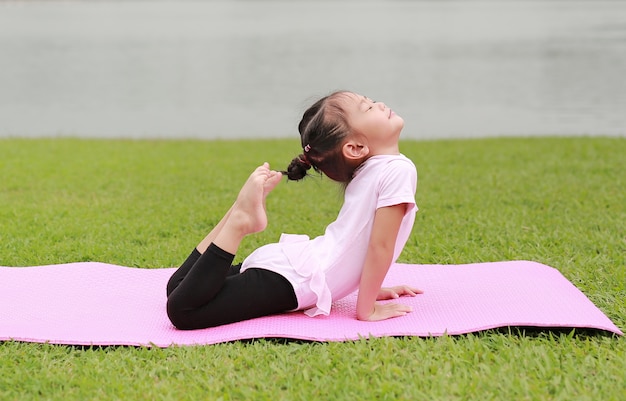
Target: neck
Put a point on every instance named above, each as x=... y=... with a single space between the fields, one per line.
x=387 y=150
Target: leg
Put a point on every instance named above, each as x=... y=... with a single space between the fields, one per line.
x=202 y=275
x=208 y=296
x=247 y=215
x=184 y=269
x=249 y=210
x=202 y=283
x=254 y=293
x=208 y=240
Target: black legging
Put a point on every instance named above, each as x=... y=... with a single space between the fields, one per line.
x=207 y=291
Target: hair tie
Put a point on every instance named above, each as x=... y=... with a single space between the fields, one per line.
x=304 y=160
x=307 y=148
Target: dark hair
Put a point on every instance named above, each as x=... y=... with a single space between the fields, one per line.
x=323 y=130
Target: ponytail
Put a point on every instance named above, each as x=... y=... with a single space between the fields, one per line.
x=298 y=168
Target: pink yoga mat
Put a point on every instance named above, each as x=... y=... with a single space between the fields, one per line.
x=101 y=304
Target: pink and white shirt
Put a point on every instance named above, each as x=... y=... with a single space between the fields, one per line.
x=328 y=267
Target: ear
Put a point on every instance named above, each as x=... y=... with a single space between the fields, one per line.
x=354 y=150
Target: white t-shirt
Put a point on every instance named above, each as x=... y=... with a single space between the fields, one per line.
x=328 y=267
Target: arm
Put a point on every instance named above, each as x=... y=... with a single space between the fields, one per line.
x=379 y=256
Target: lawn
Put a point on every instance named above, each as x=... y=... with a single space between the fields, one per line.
x=558 y=201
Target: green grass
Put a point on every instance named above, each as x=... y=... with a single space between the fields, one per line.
x=558 y=201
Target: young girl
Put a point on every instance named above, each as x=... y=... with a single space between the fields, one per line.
x=352 y=140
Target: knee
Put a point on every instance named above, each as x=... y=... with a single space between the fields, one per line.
x=178 y=315
x=172 y=283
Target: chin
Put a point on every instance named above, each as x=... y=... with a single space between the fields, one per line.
x=400 y=122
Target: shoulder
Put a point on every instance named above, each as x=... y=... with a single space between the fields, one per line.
x=397 y=175
x=388 y=163
x=386 y=173
x=401 y=163
x=398 y=167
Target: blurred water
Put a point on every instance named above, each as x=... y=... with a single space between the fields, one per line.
x=234 y=69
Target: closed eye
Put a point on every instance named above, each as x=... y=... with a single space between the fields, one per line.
x=365 y=98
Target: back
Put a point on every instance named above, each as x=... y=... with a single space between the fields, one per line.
x=329 y=267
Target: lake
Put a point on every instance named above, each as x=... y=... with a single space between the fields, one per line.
x=248 y=69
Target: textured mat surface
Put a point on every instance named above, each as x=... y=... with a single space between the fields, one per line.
x=101 y=304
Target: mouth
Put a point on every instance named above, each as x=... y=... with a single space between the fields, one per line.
x=391 y=113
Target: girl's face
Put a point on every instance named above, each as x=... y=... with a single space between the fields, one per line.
x=378 y=125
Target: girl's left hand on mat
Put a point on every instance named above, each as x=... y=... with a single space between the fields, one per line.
x=397 y=292
x=388 y=311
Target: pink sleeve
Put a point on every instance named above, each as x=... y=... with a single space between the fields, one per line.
x=397 y=184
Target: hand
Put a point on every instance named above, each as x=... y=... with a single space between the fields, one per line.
x=397 y=292
x=387 y=311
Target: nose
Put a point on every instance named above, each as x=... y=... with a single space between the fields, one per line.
x=381 y=105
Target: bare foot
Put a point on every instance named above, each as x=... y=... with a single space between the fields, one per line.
x=249 y=208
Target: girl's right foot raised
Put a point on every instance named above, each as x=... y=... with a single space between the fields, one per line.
x=249 y=208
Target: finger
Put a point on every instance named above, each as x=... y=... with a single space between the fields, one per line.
x=404 y=308
x=400 y=310
x=411 y=291
x=403 y=290
x=398 y=314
